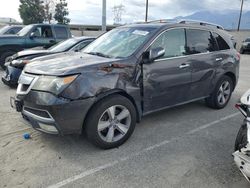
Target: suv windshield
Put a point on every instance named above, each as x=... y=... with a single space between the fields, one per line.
x=63 y=46
x=25 y=30
x=119 y=43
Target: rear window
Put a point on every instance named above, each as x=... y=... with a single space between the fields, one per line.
x=222 y=44
x=200 y=41
x=61 y=32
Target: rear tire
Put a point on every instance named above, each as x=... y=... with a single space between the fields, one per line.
x=111 y=122
x=4 y=57
x=221 y=94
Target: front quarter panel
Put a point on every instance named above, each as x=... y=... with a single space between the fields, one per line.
x=103 y=78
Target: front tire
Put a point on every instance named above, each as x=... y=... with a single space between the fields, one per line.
x=111 y=122
x=221 y=94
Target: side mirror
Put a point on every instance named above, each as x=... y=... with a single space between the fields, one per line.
x=153 y=54
x=32 y=35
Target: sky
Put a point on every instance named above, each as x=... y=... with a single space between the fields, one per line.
x=90 y=11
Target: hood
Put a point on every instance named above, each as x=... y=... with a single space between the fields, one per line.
x=30 y=52
x=65 y=63
x=11 y=39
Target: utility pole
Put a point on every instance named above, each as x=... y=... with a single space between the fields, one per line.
x=146 y=16
x=241 y=8
x=104 y=15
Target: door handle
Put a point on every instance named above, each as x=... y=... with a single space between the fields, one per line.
x=219 y=59
x=52 y=41
x=182 y=66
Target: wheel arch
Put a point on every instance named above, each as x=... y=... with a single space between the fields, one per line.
x=233 y=77
x=109 y=93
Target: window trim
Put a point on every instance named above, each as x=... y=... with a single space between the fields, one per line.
x=183 y=56
x=218 y=43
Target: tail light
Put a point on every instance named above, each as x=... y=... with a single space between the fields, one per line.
x=238 y=56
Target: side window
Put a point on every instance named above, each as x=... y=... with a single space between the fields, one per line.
x=81 y=45
x=43 y=32
x=199 y=41
x=61 y=32
x=11 y=31
x=221 y=42
x=173 y=41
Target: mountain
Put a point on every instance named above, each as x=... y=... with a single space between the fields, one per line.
x=228 y=19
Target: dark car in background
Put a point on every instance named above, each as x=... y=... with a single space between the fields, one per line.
x=245 y=47
x=125 y=74
x=10 y=29
x=31 y=36
x=17 y=62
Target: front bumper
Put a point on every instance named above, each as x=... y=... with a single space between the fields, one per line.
x=11 y=76
x=242 y=160
x=51 y=114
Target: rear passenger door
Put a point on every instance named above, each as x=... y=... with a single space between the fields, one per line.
x=61 y=33
x=201 y=48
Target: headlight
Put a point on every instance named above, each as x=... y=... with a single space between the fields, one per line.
x=19 y=63
x=53 y=84
x=245 y=44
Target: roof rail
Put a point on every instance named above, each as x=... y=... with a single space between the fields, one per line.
x=200 y=23
x=163 y=21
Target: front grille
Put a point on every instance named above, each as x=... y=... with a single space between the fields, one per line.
x=37 y=112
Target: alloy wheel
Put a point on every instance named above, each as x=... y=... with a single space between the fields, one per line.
x=224 y=93
x=114 y=123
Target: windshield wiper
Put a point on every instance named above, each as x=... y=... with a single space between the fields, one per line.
x=99 y=54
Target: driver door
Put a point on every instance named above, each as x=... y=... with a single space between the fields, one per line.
x=167 y=80
x=42 y=36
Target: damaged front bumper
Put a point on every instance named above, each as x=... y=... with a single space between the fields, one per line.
x=242 y=156
x=51 y=114
x=242 y=160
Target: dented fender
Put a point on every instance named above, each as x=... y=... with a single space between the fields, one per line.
x=104 y=80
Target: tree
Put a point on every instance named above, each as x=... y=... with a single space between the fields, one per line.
x=49 y=10
x=31 y=11
x=61 y=12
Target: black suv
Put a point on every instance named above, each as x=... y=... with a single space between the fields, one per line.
x=125 y=74
x=31 y=36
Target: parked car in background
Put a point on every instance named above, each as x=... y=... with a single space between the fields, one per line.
x=245 y=47
x=10 y=29
x=45 y=35
x=17 y=62
x=127 y=73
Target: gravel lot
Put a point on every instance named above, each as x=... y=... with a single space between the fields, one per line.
x=187 y=146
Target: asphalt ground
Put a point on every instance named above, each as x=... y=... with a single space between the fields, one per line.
x=189 y=146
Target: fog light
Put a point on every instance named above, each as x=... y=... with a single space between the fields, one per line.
x=48 y=128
